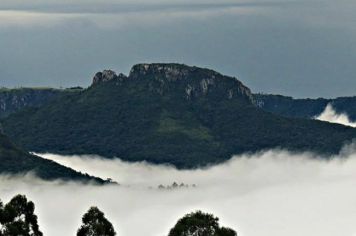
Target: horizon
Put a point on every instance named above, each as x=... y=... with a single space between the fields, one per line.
x=87 y=85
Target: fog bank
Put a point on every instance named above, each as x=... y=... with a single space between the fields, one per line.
x=271 y=193
x=330 y=115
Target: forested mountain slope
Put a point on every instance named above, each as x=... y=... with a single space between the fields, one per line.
x=167 y=113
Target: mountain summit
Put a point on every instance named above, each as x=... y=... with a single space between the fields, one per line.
x=167 y=113
x=107 y=75
x=191 y=81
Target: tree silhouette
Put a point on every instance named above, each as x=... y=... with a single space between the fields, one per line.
x=17 y=218
x=95 y=224
x=200 y=224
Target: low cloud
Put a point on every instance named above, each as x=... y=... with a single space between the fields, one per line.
x=270 y=193
x=118 y=13
x=330 y=115
x=11 y=18
x=116 y=16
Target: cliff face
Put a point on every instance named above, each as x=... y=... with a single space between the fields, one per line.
x=191 y=82
x=107 y=75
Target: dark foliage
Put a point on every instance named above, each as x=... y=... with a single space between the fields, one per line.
x=289 y=107
x=18 y=218
x=13 y=100
x=200 y=224
x=15 y=161
x=184 y=116
x=95 y=224
x=304 y=108
x=345 y=105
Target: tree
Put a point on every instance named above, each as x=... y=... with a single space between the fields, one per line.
x=95 y=224
x=17 y=218
x=1 y=217
x=200 y=224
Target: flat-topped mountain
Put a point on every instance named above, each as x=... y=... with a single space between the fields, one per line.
x=167 y=113
x=190 y=81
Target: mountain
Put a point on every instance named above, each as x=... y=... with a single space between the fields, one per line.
x=304 y=108
x=167 y=113
x=13 y=100
x=15 y=161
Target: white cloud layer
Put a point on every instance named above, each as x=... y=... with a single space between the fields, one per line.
x=271 y=193
x=330 y=115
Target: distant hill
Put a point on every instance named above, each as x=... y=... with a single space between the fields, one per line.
x=167 y=113
x=13 y=100
x=305 y=108
x=15 y=161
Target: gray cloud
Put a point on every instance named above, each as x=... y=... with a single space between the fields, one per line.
x=301 y=48
x=117 y=15
x=270 y=193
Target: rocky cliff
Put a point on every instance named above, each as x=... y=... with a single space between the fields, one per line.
x=191 y=81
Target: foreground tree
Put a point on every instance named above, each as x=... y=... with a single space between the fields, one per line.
x=95 y=224
x=18 y=218
x=200 y=224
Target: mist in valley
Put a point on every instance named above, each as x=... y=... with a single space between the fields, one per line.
x=269 y=193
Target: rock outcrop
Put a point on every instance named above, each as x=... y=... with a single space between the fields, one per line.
x=190 y=80
x=107 y=75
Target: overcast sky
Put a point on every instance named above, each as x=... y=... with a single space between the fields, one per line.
x=299 y=48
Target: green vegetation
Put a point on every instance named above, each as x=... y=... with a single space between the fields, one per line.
x=202 y=224
x=163 y=113
x=169 y=125
x=95 y=224
x=15 y=161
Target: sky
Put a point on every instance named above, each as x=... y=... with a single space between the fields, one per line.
x=301 y=48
